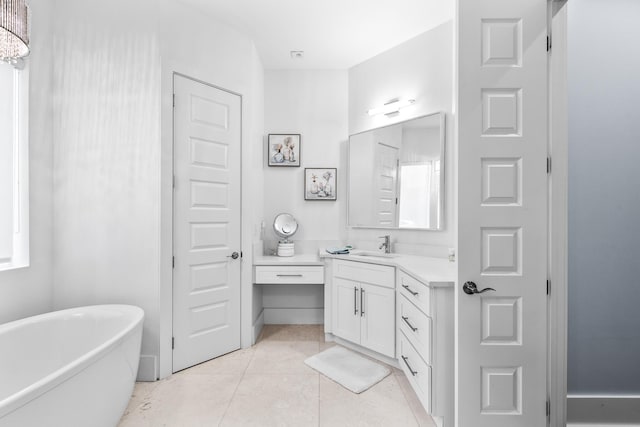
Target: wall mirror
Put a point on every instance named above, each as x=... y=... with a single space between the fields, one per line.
x=396 y=175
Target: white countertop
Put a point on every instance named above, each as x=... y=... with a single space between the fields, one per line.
x=301 y=259
x=434 y=272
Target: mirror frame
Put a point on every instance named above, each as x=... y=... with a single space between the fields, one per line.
x=443 y=142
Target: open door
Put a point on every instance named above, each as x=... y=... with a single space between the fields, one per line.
x=501 y=357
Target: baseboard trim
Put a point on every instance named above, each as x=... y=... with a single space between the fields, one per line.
x=355 y=347
x=147 y=368
x=257 y=327
x=293 y=316
x=603 y=410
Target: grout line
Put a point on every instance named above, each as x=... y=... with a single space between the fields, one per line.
x=224 y=414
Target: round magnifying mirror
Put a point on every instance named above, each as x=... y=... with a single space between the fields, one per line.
x=285 y=225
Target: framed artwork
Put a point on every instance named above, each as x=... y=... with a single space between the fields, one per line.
x=320 y=183
x=284 y=149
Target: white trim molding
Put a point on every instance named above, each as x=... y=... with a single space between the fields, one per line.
x=603 y=410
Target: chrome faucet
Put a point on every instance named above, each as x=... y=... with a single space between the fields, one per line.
x=386 y=244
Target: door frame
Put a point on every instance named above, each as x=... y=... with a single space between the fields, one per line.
x=558 y=213
x=163 y=365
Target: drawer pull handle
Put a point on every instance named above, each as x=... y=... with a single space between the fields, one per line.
x=414 y=293
x=361 y=302
x=289 y=275
x=355 y=301
x=405 y=359
x=406 y=320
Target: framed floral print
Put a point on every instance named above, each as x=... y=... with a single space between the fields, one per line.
x=320 y=184
x=284 y=149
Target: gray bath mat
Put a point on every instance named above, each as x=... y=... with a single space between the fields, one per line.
x=349 y=369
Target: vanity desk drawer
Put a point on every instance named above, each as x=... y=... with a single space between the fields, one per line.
x=266 y=275
x=362 y=272
x=415 y=291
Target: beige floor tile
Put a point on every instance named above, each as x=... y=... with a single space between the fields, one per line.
x=269 y=385
x=141 y=397
x=327 y=345
x=185 y=400
x=382 y=405
x=232 y=363
x=274 y=400
x=424 y=420
x=282 y=357
x=292 y=333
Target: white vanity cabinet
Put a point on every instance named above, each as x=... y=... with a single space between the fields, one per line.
x=364 y=305
x=426 y=342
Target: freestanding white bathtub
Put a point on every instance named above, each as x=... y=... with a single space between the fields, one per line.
x=69 y=368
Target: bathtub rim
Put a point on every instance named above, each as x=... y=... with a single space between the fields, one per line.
x=68 y=371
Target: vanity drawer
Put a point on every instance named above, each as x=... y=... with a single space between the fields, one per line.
x=415 y=291
x=416 y=326
x=417 y=371
x=289 y=275
x=362 y=272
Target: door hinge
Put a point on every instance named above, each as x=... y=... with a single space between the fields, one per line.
x=548 y=410
x=173 y=262
x=548 y=165
x=174 y=99
x=548 y=287
x=173 y=343
x=548 y=43
x=174 y=182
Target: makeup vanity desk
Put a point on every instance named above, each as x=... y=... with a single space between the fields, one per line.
x=295 y=270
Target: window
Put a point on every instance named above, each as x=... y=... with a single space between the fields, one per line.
x=14 y=200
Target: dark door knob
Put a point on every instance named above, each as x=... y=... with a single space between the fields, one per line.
x=471 y=288
x=234 y=255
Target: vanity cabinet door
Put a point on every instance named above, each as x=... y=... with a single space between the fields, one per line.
x=378 y=319
x=346 y=309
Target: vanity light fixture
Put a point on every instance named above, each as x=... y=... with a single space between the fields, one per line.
x=391 y=108
x=14 y=30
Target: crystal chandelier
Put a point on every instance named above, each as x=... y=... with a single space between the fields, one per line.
x=14 y=34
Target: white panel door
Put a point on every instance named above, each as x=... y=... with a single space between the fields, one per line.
x=377 y=309
x=387 y=177
x=502 y=189
x=206 y=228
x=346 y=309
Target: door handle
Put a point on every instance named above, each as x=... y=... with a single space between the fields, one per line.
x=361 y=302
x=406 y=362
x=355 y=300
x=234 y=255
x=406 y=320
x=471 y=288
x=414 y=293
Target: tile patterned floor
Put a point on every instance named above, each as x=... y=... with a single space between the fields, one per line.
x=269 y=385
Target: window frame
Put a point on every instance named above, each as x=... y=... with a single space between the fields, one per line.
x=19 y=256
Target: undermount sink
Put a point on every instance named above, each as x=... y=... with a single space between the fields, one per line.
x=373 y=254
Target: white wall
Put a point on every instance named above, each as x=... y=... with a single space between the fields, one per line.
x=604 y=201
x=107 y=158
x=314 y=104
x=113 y=132
x=28 y=291
x=422 y=69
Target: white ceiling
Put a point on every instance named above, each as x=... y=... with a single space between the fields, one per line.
x=334 y=34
